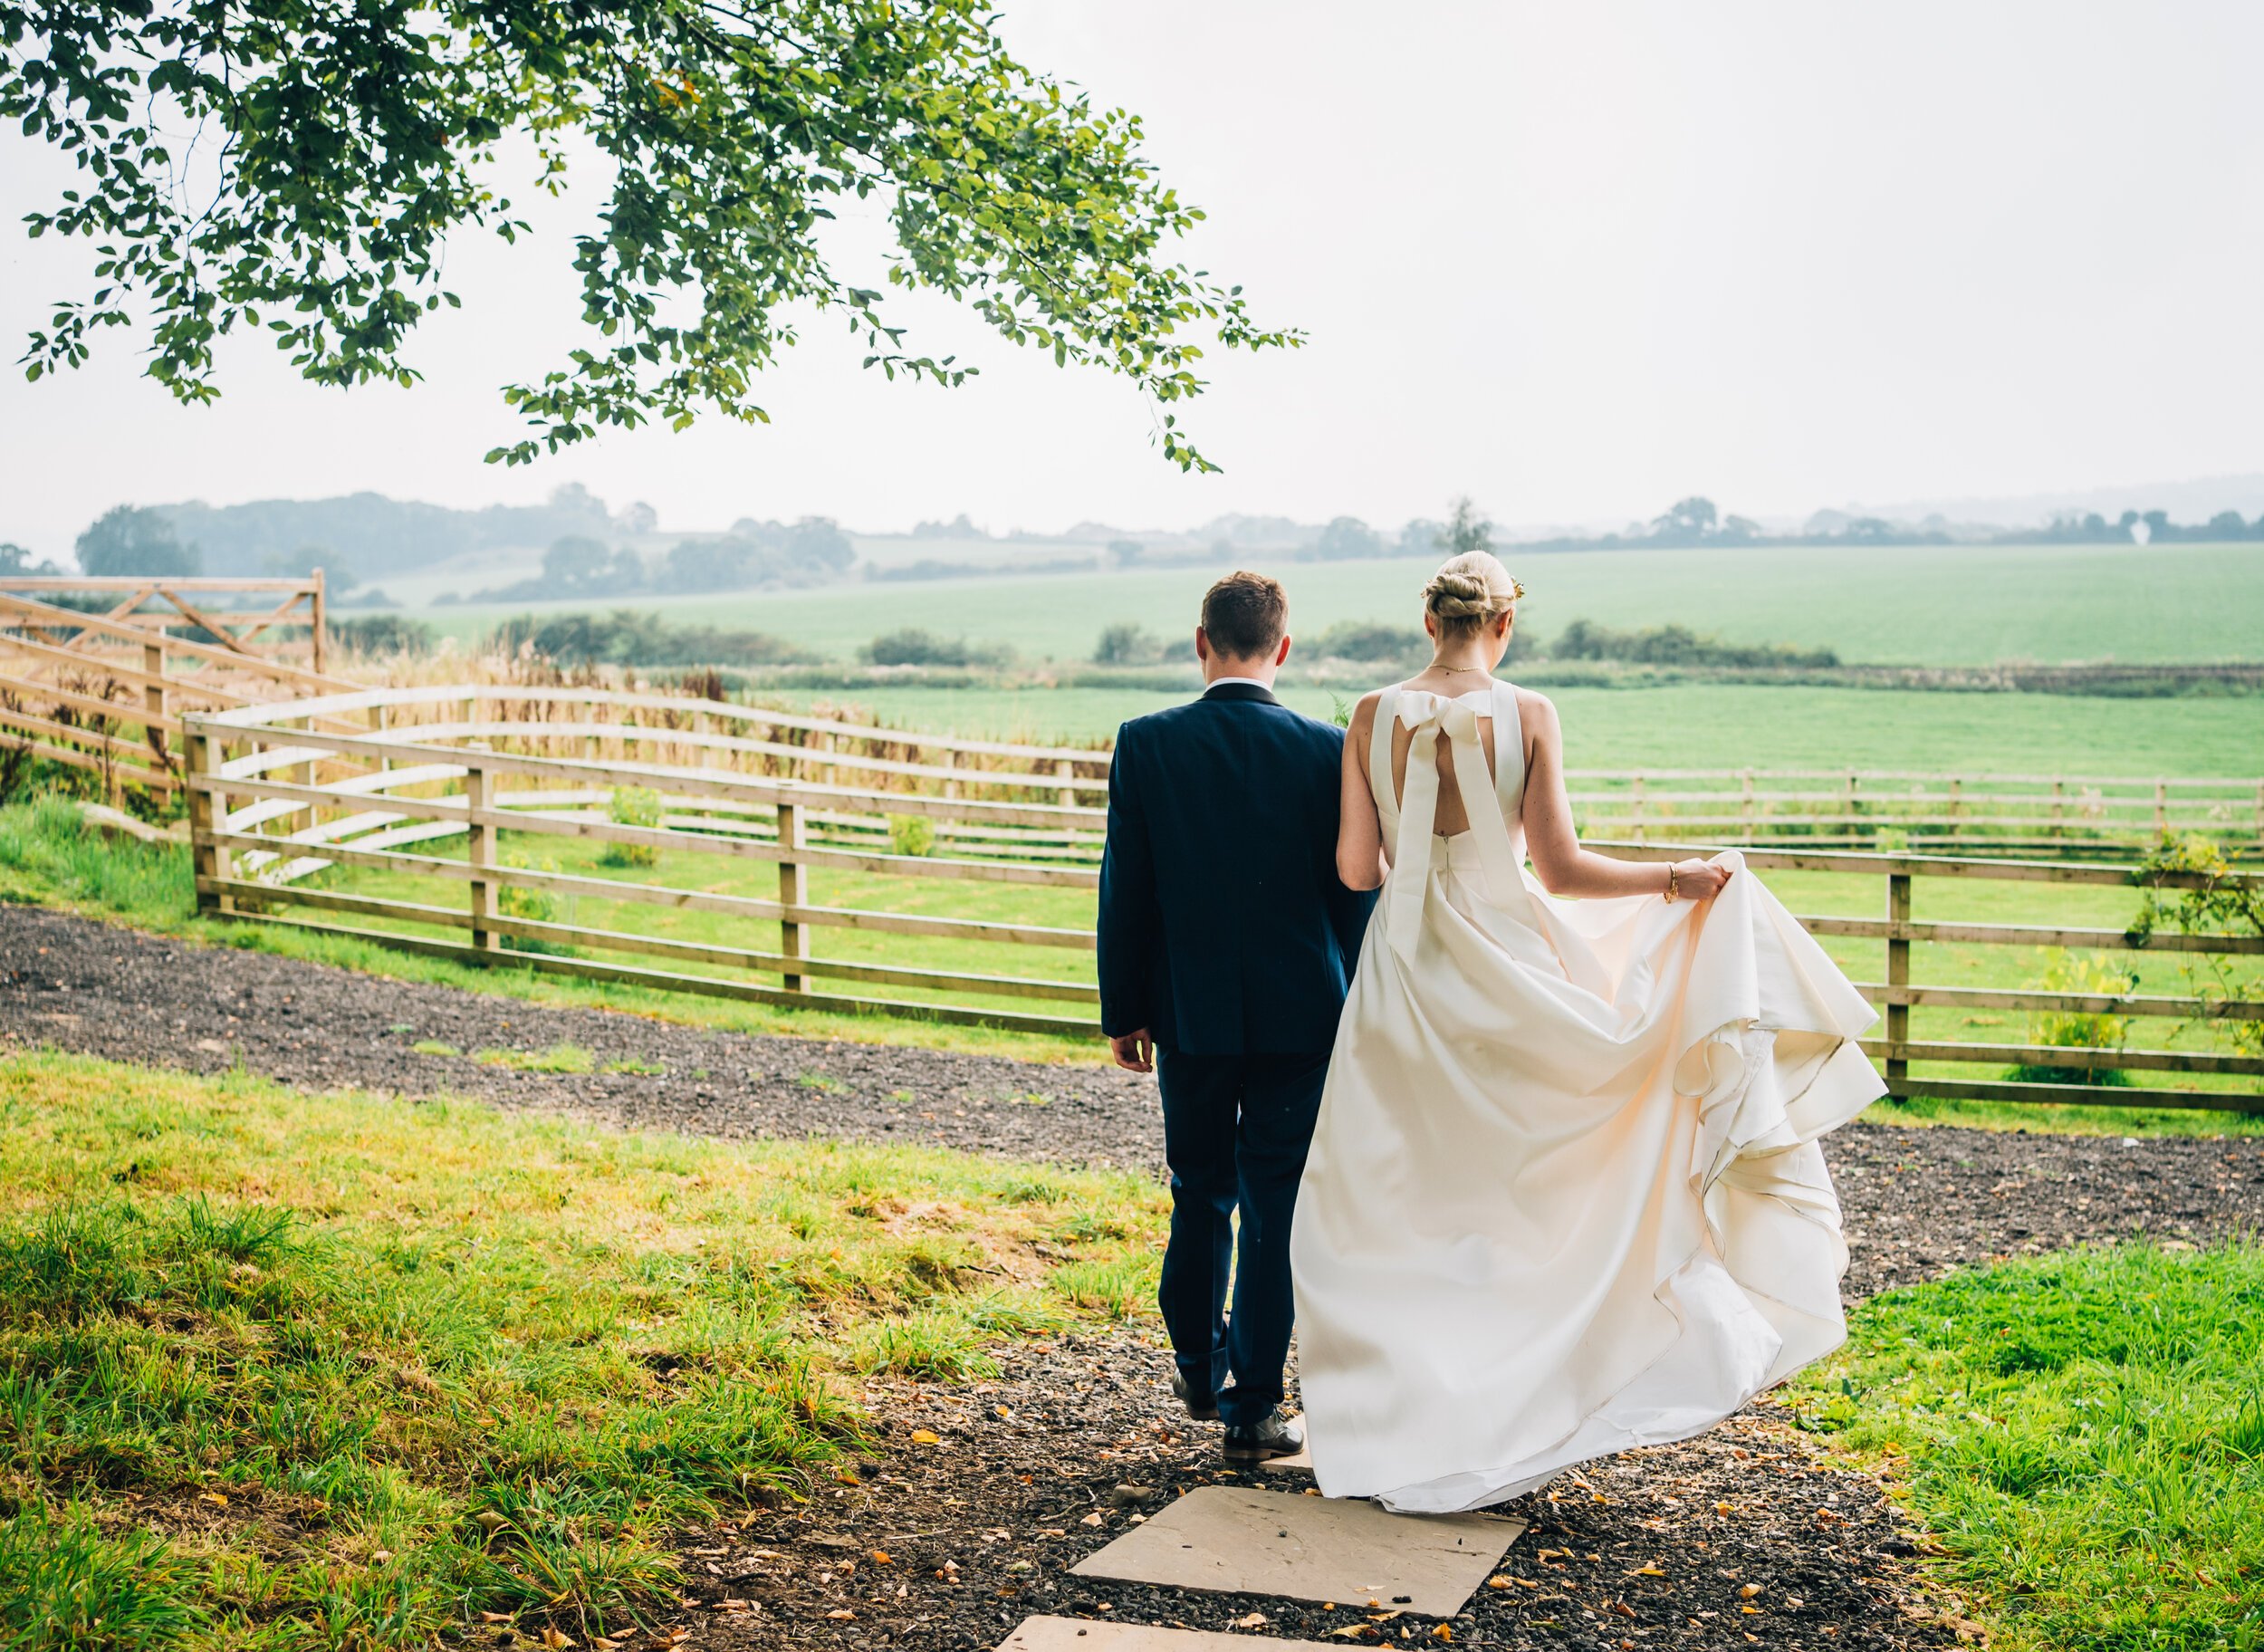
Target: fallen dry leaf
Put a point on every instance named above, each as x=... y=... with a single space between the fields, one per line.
x=880 y=1557
x=926 y=1436
x=555 y=1638
x=1255 y=1621
x=1746 y=1591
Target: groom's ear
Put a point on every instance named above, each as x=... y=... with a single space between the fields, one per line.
x=1282 y=654
x=1202 y=643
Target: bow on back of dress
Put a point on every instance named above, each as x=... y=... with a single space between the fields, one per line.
x=1429 y=716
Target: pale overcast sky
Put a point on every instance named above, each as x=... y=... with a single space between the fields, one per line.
x=1575 y=259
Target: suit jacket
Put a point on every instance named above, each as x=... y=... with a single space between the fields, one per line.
x=1224 y=929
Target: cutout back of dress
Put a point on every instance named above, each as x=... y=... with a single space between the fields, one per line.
x=1409 y=811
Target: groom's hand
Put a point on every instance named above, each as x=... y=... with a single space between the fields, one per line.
x=1135 y=1051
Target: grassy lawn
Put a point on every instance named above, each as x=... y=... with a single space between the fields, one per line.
x=281 y=1371
x=2083 y=1434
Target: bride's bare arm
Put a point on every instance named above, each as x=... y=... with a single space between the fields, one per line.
x=1565 y=868
x=1360 y=860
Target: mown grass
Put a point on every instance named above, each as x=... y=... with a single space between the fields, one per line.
x=280 y=1371
x=2083 y=1434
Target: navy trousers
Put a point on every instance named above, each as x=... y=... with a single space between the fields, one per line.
x=1236 y=1128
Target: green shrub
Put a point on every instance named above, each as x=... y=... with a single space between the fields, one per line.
x=530 y=905
x=632 y=806
x=911 y=834
x=2093 y=975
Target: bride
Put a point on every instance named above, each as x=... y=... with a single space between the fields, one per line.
x=1564 y=1196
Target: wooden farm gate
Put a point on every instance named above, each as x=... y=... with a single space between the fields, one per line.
x=101 y=685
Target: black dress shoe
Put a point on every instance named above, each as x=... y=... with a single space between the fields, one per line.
x=1203 y=1407
x=1274 y=1435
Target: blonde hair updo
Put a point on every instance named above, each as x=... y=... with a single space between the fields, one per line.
x=1467 y=591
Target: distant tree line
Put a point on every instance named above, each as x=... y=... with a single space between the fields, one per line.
x=751 y=556
x=2148 y=527
x=638 y=637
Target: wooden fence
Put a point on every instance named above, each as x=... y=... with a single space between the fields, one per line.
x=281 y=792
x=103 y=689
x=1880 y=808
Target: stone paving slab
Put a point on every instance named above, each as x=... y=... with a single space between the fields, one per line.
x=1239 y=1541
x=1302 y=1458
x=1082 y=1635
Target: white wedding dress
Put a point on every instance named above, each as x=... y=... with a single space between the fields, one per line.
x=1564 y=1196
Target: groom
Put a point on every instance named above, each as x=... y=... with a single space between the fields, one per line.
x=1227 y=943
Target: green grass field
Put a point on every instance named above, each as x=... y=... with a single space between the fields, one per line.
x=1926 y=605
x=283 y=1372
x=1715 y=726
x=2084 y=1436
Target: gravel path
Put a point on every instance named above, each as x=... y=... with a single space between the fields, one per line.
x=1919 y=1200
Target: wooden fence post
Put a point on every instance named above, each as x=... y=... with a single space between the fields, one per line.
x=480 y=840
x=1745 y=805
x=319 y=628
x=1635 y=817
x=1065 y=770
x=153 y=694
x=207 y=814
x=951 y=787
x=2161 y=808
x=2059 y=793
x=1957 y=788
x=1897 y=975
x=794 y=937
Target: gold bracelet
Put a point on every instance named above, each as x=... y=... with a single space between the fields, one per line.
x=1672 y=877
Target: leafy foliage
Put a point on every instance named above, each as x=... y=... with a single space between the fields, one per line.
x=911 y=834
x=382 y=634
x=335 y=144
x=1128 y=643
x=1368 y=640
x=632 y=806
x=2093 y=975
x=915 y=647
x=129 y=540
x=2223 y=905
x=638 y=637
x=1347 y=538
x=1678 y=644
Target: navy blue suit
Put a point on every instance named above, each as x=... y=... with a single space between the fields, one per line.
x=1225 y=932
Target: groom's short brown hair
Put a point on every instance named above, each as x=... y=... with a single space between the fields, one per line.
x=1244 y=615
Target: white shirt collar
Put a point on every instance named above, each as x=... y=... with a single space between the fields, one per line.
x=1248 y=682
